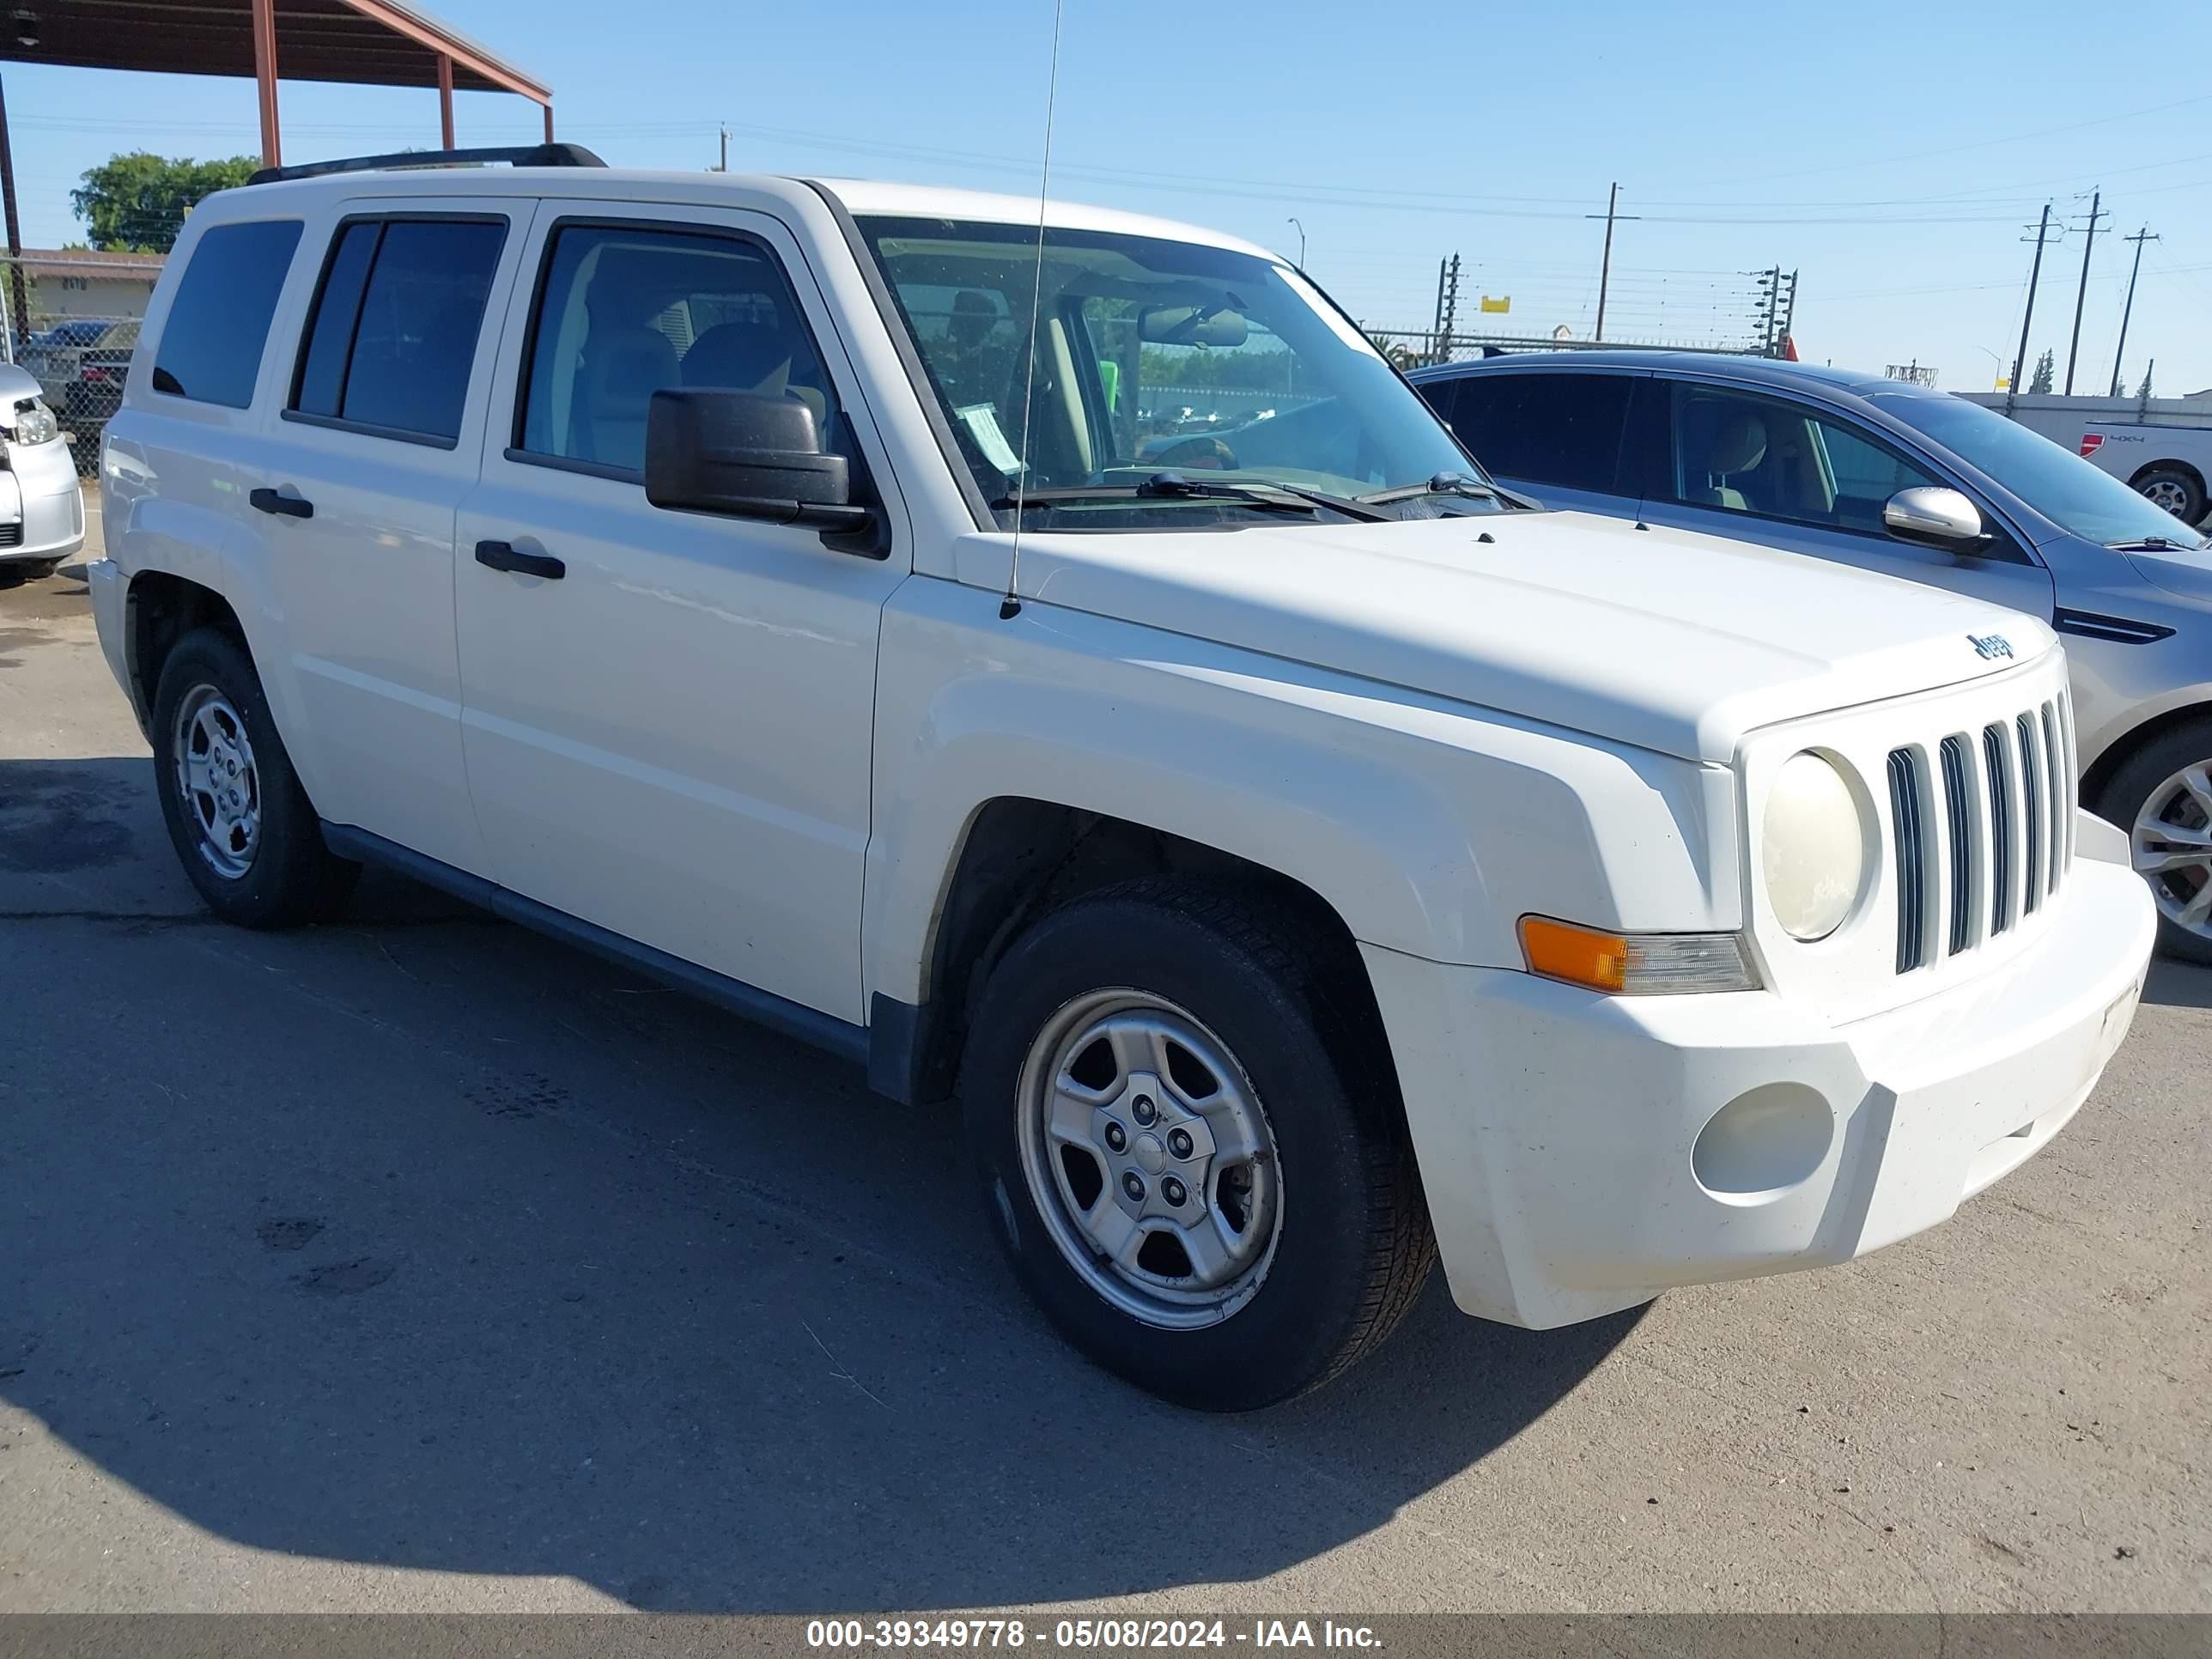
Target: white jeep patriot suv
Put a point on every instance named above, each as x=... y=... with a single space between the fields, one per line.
x=1053 y=661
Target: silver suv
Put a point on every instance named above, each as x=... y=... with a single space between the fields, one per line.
x=1895 y=477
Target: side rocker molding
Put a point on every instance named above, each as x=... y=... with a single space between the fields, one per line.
x=791 y=1020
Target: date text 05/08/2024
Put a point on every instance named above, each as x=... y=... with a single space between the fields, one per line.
x=1084 y=1634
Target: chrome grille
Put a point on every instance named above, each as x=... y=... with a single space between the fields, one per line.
x=1986 y=853
x=2031 y=787
x=1959 y=820
x=1911 y=858
x=2002 y=783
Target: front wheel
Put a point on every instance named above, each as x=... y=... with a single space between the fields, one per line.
x=2179 y=492
x=1188 y=1131
x=2161 y=795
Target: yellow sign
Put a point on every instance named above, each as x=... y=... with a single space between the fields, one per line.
x=1504 y=302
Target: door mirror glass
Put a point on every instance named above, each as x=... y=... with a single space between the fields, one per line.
x=747 y=455
x=1936 y=516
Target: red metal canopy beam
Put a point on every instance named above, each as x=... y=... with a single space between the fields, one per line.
x=264 y=79
x=456 y=50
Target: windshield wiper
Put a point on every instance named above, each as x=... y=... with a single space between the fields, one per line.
x=1268 y=496
x=2148 y=544
x=1456 y=483
x=1444 y=483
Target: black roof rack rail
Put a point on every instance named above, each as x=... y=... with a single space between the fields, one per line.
x=520 y=155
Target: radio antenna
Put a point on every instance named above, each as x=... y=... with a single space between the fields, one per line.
x=1011 y=606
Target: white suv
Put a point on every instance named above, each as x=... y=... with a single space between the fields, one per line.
x=1090 y=686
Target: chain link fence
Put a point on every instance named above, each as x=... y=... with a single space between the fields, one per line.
x=73 y=325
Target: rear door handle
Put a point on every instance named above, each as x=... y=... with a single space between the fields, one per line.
x=271 y=501
x=502 y=556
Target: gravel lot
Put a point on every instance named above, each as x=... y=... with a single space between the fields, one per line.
x=416 y=1262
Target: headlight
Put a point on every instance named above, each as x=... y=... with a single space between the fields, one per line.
x=35 y=423
x=1813 y=847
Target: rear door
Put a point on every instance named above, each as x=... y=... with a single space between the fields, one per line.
x=1555 y=434
x=669 y=715
x=1808 y=479
x=377 y=439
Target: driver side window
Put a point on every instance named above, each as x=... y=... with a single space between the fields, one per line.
x=1768 y=459
x=624 y=311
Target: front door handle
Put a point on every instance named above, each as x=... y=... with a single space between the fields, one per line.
x=271 y=500
x=502 y=556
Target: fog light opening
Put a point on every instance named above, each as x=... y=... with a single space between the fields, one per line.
x=1763 y=1142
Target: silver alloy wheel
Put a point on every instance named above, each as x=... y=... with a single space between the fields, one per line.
x=2172 y=842
x=2168 y=493
x=216 y=780
x=1150 y=1158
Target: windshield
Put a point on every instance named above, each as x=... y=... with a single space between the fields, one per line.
x=1153 y=356
x=2063 y=487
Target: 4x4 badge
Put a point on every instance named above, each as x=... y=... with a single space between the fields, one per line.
x=1990 y=647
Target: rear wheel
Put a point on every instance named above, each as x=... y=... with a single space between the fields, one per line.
x=2162 y=797
x=1189 y=1133
x=242 y=826
x=2178 y=491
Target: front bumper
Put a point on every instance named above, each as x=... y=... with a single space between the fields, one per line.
x=38 y=490
x=1577 y=1158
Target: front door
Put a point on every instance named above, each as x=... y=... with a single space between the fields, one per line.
x=1792 y=475
x=668 y=715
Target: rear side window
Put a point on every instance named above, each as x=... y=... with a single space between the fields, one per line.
x=393 y=334
x=211 y=344
x=1564 y=430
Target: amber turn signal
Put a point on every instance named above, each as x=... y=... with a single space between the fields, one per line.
x=1637 y=964
x=1580 y=956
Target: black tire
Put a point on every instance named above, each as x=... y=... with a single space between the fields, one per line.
x=2191 y=488
x=1353 y=1246
x=292 y=876
x=2128 y=791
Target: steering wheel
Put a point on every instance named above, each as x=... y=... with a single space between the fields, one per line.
x=1199 y=450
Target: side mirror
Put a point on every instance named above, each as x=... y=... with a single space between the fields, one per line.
x=747 y=456
x=1934 y=517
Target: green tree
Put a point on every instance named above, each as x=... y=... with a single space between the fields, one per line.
x=138 y=202
x=2144 y=391
x=2046 y=370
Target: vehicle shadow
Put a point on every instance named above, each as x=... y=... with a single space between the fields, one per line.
x=416 y=1241
x=2179 y=984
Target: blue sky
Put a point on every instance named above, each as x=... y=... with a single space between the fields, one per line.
x=1891 y=153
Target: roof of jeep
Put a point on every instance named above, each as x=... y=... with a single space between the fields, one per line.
x=861 y=197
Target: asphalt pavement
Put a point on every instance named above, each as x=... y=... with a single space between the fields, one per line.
x=416 y=1262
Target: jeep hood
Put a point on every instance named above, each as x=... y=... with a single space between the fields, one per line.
x=1668 y=639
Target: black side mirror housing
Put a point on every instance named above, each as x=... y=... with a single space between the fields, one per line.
x=747 y=456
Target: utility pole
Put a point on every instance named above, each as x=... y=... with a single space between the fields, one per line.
x=2028 y=315
x=1605 y=263
x=723 y=165
x=1293 y=220
x=1447 y=309
x=2127 y=310
x=2081 y=294
x=1778 y=304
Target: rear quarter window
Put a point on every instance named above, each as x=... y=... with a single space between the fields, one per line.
x=218 y=324
x=1564 y=430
